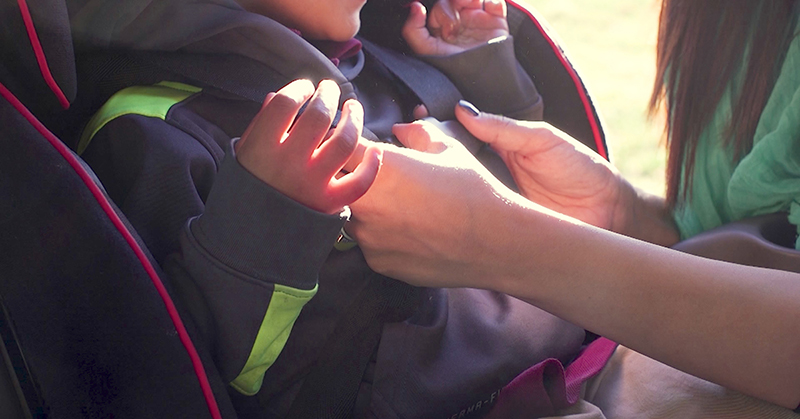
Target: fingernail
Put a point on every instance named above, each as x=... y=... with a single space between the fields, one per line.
x=469 y=107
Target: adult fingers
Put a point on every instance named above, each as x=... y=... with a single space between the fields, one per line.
x=311 y=127
x=350 y=187
x=336 y=150
x=501 y=132
x=269 y=126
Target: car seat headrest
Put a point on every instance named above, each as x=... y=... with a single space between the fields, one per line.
x=37 y=57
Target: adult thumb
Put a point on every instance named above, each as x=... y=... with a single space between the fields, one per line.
x=501 y=132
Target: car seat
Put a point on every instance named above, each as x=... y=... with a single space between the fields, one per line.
x=88 y=327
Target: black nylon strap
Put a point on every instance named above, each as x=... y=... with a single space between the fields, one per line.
x=432 y=87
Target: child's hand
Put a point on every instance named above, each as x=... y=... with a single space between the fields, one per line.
x=454 y=26
x=301 y=158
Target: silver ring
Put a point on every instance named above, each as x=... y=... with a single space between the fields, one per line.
x=344 y=242
x=344 y=237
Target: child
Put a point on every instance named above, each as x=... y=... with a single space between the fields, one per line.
x=246 y=235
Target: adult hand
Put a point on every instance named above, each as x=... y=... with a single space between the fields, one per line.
x=454 y=26
x=301 y=156
x=554 y=170
x=424 y=218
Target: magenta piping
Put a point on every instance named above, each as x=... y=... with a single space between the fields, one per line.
x=598 y=139
x=112 y=215
x=39 y=52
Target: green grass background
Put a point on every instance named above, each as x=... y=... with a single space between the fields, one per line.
x=612 y=44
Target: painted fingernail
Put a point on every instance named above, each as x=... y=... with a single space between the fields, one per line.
x=469 y=107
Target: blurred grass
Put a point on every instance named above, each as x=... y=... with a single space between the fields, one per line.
x=612 y=44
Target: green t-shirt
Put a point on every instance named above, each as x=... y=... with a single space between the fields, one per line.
x=767 y=180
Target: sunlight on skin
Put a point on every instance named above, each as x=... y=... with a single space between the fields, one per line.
x=612 y=45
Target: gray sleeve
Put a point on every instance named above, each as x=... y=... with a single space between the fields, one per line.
x=490 y=77
x=241 y=257
x=258 y=232
x=250 y=244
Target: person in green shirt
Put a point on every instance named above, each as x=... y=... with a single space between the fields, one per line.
x=584 y=244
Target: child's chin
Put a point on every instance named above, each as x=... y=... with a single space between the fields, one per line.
x=345 y=35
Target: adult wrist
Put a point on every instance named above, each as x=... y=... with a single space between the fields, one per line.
x=624 y=212
x=644 y=216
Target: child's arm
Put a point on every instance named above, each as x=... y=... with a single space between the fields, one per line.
x=270 y=221
x=469 y=41
x=301 y=158
x=246 y=234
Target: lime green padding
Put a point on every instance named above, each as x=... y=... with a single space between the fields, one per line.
x=153 y=101
x=283 y=310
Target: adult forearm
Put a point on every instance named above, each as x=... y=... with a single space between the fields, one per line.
x=439 y=220
x=729 y=324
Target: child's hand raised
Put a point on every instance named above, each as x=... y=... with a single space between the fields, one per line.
x=301 y=158
x=454 y=26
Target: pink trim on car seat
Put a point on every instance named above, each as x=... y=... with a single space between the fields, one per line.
x=40 y=57
x=598 y=139
x=112 y=215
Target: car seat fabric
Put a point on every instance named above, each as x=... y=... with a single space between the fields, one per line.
x=569 y=105
x=97 y=332
x=45 y=81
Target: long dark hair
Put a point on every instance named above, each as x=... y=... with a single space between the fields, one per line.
x=702 y=45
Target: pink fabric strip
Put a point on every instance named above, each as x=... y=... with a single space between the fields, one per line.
x=338 y=51
x=587 y=365
x=40 y=57
x=112 y=215
x=584 y=98
x=547 y=387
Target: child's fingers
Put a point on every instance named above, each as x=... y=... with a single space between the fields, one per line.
x=448 y=10
x=270 y=124
x=420 y=136
x=349 y=188
x=497 y=8
x=329 y=158
x=443 y=19
x=420 y=112
x=415 y=30
x=246 y=134
x=268 y=99
x=466 y=4
x=358 y=154
x=493 y=7
x=311 y=127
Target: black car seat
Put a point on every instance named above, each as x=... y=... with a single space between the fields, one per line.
x=88 y=327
